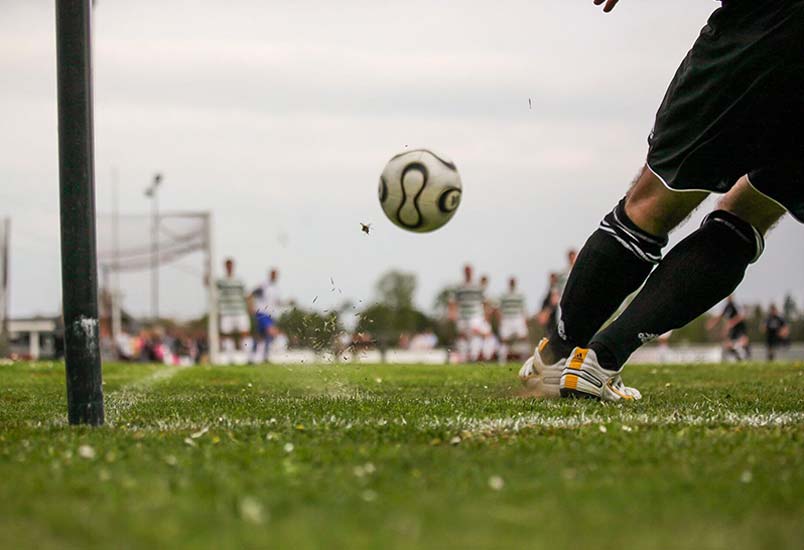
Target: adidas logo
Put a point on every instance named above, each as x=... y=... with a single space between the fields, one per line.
x=646 y=337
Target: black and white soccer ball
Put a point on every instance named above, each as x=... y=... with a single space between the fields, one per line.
x=420 y=190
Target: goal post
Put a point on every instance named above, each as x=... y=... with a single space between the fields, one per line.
x=79 y=273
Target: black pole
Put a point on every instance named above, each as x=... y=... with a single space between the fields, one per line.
x=79 y=273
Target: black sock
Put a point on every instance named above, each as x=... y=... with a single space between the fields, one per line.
x=612 y=264
x=697 y=273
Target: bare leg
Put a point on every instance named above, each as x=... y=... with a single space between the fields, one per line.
x=656 y=209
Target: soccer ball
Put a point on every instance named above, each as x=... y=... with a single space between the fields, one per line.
x=420 y=190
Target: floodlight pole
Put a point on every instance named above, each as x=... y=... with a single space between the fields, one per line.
x=79 y=273
x=152 y=192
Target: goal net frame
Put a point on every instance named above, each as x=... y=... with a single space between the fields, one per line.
x=138 y=255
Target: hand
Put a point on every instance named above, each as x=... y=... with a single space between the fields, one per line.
x=609 y=4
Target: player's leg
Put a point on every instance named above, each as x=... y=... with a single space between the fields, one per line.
x=462 y=341
x=699 y=272
x=505 y=342
x=264 y=324
x=491 y=346
x=745 y=346
x=475 y=346
x=245 y=343
x=612 y=264
x=227 y=342
x=616 y=259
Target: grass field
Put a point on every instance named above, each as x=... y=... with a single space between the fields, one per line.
x=402 y=456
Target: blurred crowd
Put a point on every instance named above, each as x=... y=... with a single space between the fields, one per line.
x=254 y=324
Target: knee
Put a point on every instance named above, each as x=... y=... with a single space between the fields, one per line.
x=751 y=206
x=657 y=209
x=752 y=243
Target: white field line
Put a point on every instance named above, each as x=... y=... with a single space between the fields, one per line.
x=486 y=425
x=121 y=401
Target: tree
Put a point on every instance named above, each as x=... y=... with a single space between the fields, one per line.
x=393 y=313
x=396 y=289
x=789 y=308
x=442 y=299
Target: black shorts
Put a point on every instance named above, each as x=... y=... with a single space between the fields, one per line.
x=736 y=106
x=737 y=332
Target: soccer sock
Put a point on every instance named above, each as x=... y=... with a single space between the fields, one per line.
x=697 y=273
x=612 y=264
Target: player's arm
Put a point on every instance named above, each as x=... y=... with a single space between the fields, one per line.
x=737 y=319
x=713 y=321
x=609 y=4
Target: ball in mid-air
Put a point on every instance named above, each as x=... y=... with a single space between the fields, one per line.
x=420 y=190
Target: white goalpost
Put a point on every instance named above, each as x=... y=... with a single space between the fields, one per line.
x=137 y=243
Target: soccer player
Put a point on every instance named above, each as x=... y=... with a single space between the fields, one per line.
x=466 y=308
x=776 y=331
x=267 y=307
x=513 y=320
x=735 y=332
x=563 y=276
x=728 y=124
x=235 y=324
x=547 y=315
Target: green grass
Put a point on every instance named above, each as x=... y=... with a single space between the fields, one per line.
x=402 y=456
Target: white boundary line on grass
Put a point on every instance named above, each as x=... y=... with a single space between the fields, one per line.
x=488 y=425
x=121 y=401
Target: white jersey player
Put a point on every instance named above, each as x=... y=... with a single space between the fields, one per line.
x=267 y=307
x=234 y=322
x=467 y=309
x=513 y=319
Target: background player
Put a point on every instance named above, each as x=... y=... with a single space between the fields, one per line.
x=776 y=331
x=267 y=306
x=735 y=330
x=235 y=324
x=513 y=320
x=547 y=315
x=563 y=276
x=466 y=309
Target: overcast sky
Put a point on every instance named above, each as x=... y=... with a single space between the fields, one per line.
x=279 y=116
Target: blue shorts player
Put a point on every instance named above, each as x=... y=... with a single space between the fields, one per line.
x=267 y=308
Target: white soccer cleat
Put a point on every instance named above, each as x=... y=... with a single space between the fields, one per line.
x=584 y=377
x=542 y=379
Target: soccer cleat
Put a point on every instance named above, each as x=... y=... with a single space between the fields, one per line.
x=584 y=377
x=542 y=379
